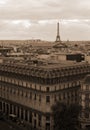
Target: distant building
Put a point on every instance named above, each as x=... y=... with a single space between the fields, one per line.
x=4 y=50
x=75 y=57
x=87 y=58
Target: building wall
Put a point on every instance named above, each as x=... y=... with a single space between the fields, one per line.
x=32 y=101
x=18 y=96
x=85 y=103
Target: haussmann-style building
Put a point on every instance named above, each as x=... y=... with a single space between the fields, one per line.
x=29 y=91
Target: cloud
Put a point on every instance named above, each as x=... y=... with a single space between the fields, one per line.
x=45 y=9
x=73 y=29
x=38 y=18
x=3 y=2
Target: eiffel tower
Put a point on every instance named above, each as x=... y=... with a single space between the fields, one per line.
x=58 y=36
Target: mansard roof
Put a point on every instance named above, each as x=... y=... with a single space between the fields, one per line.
x=47 y=71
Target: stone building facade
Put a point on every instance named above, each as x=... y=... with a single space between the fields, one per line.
x=85 y=102
x=30 y=91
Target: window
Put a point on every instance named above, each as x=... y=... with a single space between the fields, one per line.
x=13 y=91
x=59 y=96
x=34 y=114
x=30 y=95
x=47 y=89
x=10 y=90
x=47 y=118
x=68 y=85
x=86 y=104
x=35 y=123
x=25 y=94
x=87 y=87
x=55 y=88
x=47 y=99
x=55 y=98
x=64 y=86
x=35 y=96
x=40 y=87
x=30 y=117
x=68 y=96
x=17 y=91
x=40 y=98
x=63 y=95
x=39 y=120
x=47 y=126
x=4 y=88
x=86 y=114
x=86 y=96
x=72 y=95
x=59 y=87
x=75 y=93
x=35 y=86
x=31 y=85
x=39 y=117
x=0 y=105
x=26 y=84
x=22 y=93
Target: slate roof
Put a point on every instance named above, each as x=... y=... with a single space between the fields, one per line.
x=47 y=71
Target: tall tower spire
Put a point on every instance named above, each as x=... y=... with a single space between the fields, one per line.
x=58 y=35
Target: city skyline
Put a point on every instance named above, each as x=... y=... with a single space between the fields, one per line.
x=37 y=19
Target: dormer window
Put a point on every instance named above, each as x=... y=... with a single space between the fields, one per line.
x=87 y=87
x=47 y=89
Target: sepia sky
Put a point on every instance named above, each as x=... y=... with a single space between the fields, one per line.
x=30 y=19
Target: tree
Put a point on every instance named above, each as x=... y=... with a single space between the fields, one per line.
x=66 y=116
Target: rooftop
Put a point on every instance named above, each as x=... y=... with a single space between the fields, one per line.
x=46 y=70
